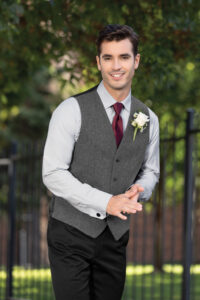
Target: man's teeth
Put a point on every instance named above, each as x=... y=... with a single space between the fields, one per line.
x=116 y=75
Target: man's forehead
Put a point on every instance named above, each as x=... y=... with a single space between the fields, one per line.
x=116 y=47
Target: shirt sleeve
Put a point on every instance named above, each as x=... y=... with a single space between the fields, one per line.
x=150 y=171
x=64 y=128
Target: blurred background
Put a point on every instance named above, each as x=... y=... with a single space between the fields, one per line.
x=47 y=53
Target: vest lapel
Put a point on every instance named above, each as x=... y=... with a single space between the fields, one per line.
x=128 y=134
x=106 y=126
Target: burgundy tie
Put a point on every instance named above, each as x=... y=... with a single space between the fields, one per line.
x=117 y=124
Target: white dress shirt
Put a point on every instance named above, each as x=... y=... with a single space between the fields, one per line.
x=64 y=129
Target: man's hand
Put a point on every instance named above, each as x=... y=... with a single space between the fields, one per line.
x=134 y=192
x=126 y=203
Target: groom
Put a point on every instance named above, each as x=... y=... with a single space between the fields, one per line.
x=97 y=173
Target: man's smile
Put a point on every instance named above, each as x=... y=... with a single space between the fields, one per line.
x=117 y=76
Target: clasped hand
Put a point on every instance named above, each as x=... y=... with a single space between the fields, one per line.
x=125 y=203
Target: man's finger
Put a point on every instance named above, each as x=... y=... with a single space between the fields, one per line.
x=131 y=193
x=134 y=205
x=134 y=190
x=121 y=216
x=131 y=211
x=130 y=207
x=138 y=187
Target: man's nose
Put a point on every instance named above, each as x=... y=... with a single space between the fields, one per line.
x=116 y=64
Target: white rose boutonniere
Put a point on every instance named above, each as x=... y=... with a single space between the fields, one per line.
x=140 y=122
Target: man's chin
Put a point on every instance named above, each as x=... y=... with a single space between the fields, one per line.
x=118 y=86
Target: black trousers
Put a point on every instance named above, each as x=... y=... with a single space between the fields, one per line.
x=85 y=268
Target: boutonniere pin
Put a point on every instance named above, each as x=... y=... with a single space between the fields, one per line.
x=140 y=122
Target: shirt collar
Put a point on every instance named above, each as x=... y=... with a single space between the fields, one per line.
x=108 y=100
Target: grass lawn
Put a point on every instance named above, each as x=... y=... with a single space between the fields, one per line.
x=142 y=283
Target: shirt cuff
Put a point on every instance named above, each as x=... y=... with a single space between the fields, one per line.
x=99 y=210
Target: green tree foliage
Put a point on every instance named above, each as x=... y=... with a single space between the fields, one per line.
x=42 y=40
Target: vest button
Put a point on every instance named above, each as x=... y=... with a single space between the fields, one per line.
x=114 y=179
x=98 y=215
x=117 y=160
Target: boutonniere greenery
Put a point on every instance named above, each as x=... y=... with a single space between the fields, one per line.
x=140 y=122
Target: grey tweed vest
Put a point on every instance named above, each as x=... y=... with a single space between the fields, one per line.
x=98 y=162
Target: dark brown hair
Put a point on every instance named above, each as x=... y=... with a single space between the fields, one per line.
x=116 y=32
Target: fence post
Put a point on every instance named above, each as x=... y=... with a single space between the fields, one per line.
x=11 y=222
x=188 y=203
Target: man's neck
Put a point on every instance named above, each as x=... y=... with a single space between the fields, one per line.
x=118 y=95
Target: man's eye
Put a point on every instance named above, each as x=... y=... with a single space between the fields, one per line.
x=106 y=58
x=125 y=57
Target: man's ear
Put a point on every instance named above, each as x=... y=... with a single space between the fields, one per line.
x=137 y=61
x=98 y=63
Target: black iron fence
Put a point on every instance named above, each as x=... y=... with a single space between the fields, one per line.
x=164 y=242
x=24 y=269
x=163 y=255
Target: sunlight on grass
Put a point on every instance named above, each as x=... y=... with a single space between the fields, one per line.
x=2 y=275
x=178 y=269
x=138 y=270
x=195 y=269
x=141 y=281
x=175 y=269
x=43 y=274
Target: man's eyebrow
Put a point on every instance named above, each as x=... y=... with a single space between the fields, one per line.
x=106 y=55
x=125 y=54
x=109 y=55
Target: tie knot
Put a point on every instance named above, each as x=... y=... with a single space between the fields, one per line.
x=118 y=107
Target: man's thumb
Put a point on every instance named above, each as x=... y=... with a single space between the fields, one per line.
x=131 y=193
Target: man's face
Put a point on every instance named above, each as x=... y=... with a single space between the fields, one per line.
x=117 y=64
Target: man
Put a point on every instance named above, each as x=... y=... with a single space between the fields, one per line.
x=97 y=172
